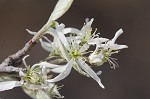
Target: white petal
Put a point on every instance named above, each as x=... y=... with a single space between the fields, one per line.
x=116 y=46
x=64 y=74
x=63 y=39
x=59 y=69
x=51 y=85
x=96 y=60
x=97 y=41
x=46 y=64
x=88 y=25
x=47 y=46
x=7 y=85
x=31 y=32
x=24 y=60
x=34 y=86
x=52 y=32
x=80 y=70
x=99 y=73
x=63 y=50
x=118 y=33
x=22 y=74
x=86 y=68
x=44 y=73
x=60 y=27
x=55 y=43
x=71 y=30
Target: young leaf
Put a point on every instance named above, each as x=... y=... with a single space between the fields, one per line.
x=61 y=7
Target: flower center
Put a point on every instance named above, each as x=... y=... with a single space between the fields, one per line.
x=34 y=77
x=75 y=53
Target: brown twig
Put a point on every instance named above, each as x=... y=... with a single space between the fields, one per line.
x=16 y=59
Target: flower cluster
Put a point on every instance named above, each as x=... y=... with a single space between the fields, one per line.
x=69 y=48
x=73 y=47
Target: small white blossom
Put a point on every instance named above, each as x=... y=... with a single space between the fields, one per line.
x=34 y=82
x=73 y=55
x=103 y=51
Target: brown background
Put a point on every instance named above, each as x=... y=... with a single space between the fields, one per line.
x=130 y=81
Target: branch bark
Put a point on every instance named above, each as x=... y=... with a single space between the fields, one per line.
x=16 y=58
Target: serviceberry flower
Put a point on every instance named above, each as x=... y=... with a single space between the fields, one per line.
x=103 y=51
x=34 y=82
x=73 y=47
x=73 y=52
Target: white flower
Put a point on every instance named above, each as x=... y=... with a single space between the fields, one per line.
x=74 y=58
x=103 y=51
x=83 y=35
x=34 y=82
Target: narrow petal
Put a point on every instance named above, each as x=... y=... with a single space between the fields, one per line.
x=34 y=86
x=47 y=46
x=87 y=26
x=86 y=68
x=116 y=46
x=60 y=27
x=97 y=41
x=61 y=35
x=82 y=72
x=118 y=33
x=59 y=69
x=46 y=64
x=63 y=39
x=7 y=85
x=52 y=32
x=22 y=74
x=99 y=73
x=63 y=50
x=71 y=30
x=24 y=60
x=64 y=74
x=31 y=32
x=96 y=60
x=51 y=85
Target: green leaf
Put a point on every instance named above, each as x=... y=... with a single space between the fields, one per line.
x=61 y=7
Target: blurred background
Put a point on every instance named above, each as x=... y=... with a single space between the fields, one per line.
x=130 y=81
